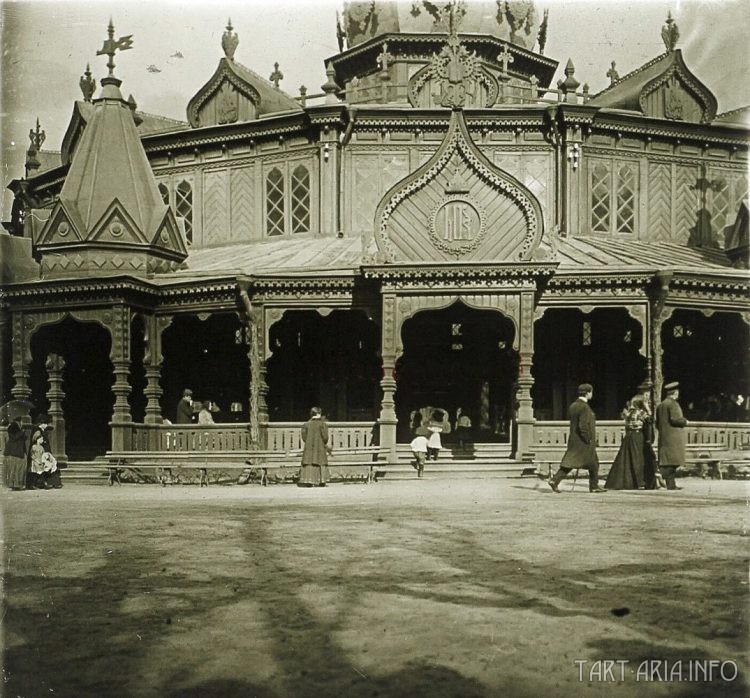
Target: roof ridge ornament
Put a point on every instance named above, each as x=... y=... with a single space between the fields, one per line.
x=87 y=84
x=454 y=67
x=229 y=41
x=670 y=33
x=612 y=74
x=111 y=46
x=277 y=76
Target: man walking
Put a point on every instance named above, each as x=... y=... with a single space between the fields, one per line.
x=670 y=423
x=581 y=451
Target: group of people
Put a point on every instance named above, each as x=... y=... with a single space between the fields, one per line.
x=636 y=466
x=28 y=462
x=184 y=411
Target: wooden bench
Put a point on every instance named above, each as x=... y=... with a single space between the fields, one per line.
x=263 y=461
x=707 y=457
x=161 y=464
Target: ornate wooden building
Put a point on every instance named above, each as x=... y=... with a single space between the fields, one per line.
x=439 y=227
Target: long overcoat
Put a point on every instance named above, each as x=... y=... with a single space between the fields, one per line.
x=184 y=412
x=670 y=423
x=581 y=449
x=315 y=436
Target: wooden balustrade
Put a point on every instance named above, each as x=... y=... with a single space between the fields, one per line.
x=729 y=435
x=285 y=436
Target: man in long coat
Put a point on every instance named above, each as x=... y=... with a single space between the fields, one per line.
x=184 y=411
x=670 y=423
x=581 y=451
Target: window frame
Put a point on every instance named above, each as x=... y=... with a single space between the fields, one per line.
x=615 y=192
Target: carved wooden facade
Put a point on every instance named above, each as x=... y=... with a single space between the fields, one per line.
x=421 y=190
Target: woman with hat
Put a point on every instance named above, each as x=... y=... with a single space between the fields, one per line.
x=634 y=465
x=14 y=458
x=43 y=471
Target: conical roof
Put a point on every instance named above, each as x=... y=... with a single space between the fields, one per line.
x=110 y=215
x=110 y=164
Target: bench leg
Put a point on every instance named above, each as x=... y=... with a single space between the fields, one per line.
x=264 y=477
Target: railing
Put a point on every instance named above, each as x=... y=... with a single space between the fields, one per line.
x=285 y=436
x=280 y=436
x=190 y=438
x=394 y=92
x=729 y=435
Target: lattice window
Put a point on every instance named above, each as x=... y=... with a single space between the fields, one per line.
x=456 y=329
x=628 y=338
x=613 y=188
x=625 y=199
x=184 y=207
x=586 y=334
x=164 y=191
x=300 y=200
x=275 y=202
x=600 y=193
x=678 y=331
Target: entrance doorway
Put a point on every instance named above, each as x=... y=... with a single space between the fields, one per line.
x=459 y=358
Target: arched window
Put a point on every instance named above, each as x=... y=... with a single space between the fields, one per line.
x=275 y=202
x=184 y=207
x=300 y=200
x=164 y=191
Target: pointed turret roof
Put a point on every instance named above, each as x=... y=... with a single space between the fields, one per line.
x=110 y=214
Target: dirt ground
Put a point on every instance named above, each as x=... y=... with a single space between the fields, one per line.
x=416 y=588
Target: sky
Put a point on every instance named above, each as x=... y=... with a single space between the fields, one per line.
x=47 y=44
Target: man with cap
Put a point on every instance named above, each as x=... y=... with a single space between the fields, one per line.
x=184 y=411
x=581 y=451
x=670 y=423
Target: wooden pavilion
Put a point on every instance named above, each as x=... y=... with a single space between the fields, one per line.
x=440 y=227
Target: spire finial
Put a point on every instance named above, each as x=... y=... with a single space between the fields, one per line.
x=542 y=36
x=612 y=74
x=229 y=41
x=670 y=33
x=570 y=84
x=330 y=87
x=277 y=76
x=87 y=84
x=37 y=138
x=111 y=46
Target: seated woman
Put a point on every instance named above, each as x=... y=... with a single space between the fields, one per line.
x=633 y=467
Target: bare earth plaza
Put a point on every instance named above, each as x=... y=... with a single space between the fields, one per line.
x=430 y=377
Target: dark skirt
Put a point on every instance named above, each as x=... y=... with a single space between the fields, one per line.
x=633 y=467
x=15 y=472
x=313 y=475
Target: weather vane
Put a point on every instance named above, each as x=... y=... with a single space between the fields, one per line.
x=111 y=45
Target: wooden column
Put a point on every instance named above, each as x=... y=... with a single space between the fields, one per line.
x=387 y=419
x=525 y=420
x=55 y=365
x=4 y=324
x=21 y=357
x=120 y=357
x=659 y=314
x=256 y=353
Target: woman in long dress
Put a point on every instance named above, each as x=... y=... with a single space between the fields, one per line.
x=314 y=471
x=633 y=467
x=14 y=458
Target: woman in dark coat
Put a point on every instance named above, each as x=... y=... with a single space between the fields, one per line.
x=314 y=472
x=14 y=458
x=634 y=466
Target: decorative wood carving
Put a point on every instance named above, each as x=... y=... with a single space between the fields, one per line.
x=474 y=211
